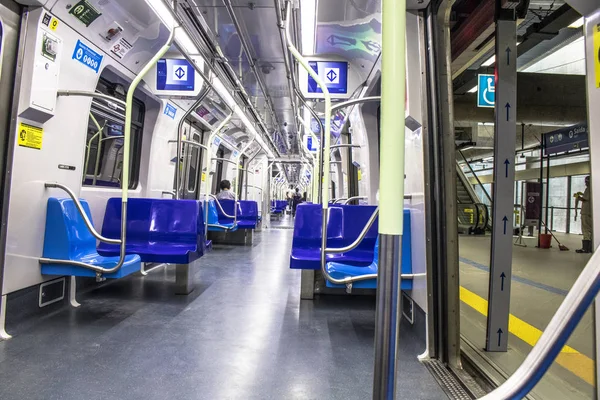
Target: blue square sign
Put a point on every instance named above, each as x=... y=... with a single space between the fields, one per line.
x=486 y=91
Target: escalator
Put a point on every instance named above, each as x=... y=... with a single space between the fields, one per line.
x=473 y=215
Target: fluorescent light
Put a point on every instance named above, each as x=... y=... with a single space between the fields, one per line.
x=182 y=38
x=577 y=24
x=490 y=61
x=307 y=24
x=163 y=12
x=473 y=90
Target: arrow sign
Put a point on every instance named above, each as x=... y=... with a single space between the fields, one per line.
x=331 y=76
x=179 y=72
x=503 y=275
x=499 y=336
x=507 y=111
x=505 y=219
x=506 y=164
x=342 y=40
x=371 y=45
x=508 y=56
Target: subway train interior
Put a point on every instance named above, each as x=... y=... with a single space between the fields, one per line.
x=220 y=199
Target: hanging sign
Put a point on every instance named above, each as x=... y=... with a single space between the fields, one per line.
x=533 y=203
x=566 y=139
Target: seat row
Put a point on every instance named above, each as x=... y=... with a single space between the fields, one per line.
x=158 y=231
x=344 y=225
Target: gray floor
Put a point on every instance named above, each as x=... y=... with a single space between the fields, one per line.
x=242 y=334
x=540 y=282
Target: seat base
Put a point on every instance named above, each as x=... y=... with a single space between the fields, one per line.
x=132 y=264
x=157 y=253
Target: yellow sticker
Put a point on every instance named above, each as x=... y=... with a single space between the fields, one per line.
x=53 y=23
x=596 y=33
x=204 y=177
x=359 y=174
x=30 y=136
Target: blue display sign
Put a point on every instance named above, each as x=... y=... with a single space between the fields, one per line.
x=566 y=139
x=333 y=73
x=486 y=91
x=311 y=145
x=88 y=57
x=175 y=74
x=170 y=111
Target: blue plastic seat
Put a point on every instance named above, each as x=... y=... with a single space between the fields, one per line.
x=214 y=222
x=344 y=225
x=68 y=238
x=159 y=230
x=248 y=214
x=340 y=270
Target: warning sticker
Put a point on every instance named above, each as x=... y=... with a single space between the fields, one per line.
x=85 y=12
x=596 y=33
x=30 y=136
x=121 y=48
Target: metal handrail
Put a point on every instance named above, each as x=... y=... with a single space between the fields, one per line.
x=352 y=102
x=349 y=199
x=179 y=141
x=125 y=186
x=221 y=208
x=85 y=93
x=79 y=207
x=171 y=192
x=555 y=336
x=191 y=143
x=223 y=159
x=336 y=146
x=359 y=239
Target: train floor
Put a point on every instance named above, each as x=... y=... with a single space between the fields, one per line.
x=540 y=281
x=243 y=333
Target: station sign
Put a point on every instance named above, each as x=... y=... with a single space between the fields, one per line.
x=335 y=74
x=486 y=91
x=566 y=139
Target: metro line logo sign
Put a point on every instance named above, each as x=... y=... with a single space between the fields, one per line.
x=180 y=73
x=332 y=75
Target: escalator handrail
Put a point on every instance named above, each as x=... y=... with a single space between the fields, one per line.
x=555 y=336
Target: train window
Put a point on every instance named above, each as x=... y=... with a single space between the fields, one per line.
x=193 y=164
x=104 y=144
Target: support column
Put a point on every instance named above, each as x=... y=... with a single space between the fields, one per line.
x=504 y=179
x=391 y=188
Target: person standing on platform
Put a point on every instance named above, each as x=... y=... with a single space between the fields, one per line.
x=586 y=218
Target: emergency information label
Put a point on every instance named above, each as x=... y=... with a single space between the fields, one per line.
x=121 y=48
x=30 y=136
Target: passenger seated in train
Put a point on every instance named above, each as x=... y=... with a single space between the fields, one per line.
x=225 y=193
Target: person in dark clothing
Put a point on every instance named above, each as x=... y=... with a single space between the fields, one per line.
x=296 y=199
x=304 y=197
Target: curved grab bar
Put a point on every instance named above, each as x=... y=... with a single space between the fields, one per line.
x=191 y=143
x=555 y=336
x=91 y=94
x=353 y=102
x=125 y=173
x=180 y=141
x=360 y=237
x=221 y=208
x=348 y=200
x=79 y=207
x=171 y=192
x=350 y=145
x=227 y=160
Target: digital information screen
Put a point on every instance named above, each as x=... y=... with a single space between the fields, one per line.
x=175 y=74
x=333 y=73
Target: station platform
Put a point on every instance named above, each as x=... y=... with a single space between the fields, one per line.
x=541 y=279
x=243 y=333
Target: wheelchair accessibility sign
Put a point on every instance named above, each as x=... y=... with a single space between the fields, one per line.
x=486 y=91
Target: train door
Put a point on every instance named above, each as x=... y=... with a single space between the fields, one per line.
x=218 y=170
